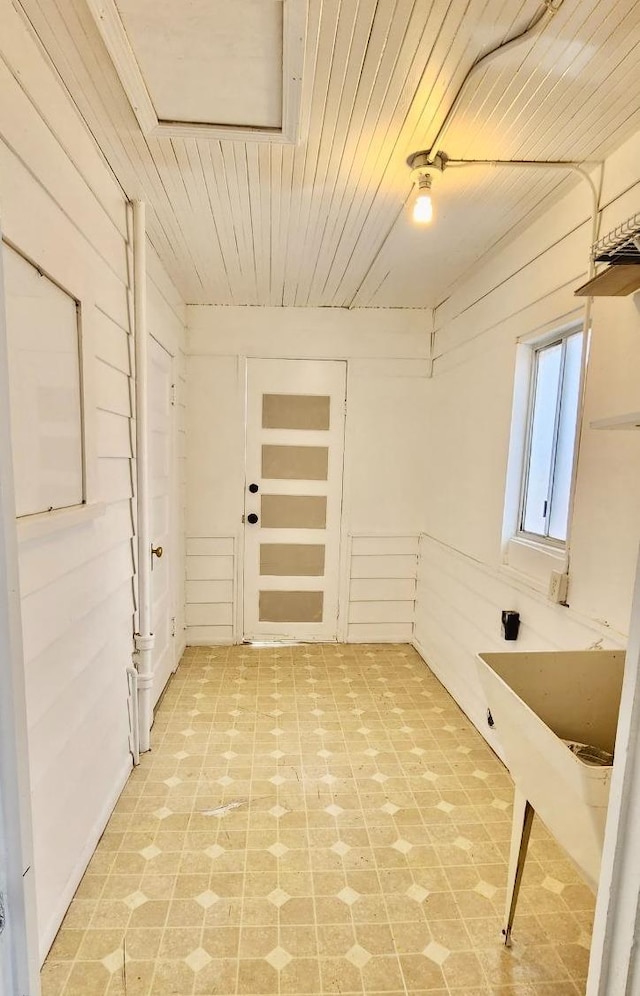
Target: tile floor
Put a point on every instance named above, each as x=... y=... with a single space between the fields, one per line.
x=316 y=819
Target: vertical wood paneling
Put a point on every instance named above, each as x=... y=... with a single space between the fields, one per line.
x=522 y=290
x=236 y=223
x=459 y=603
x=66 y=211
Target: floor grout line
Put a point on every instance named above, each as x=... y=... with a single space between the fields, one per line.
x=213 y=746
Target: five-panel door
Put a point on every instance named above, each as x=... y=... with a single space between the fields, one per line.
x=293 y=498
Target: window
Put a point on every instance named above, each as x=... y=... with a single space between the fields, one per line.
x=551 y=438
x=45 y=389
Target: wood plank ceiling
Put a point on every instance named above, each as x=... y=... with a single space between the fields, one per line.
x=323 y=223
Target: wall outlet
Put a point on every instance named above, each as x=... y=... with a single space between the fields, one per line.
x=558 y=587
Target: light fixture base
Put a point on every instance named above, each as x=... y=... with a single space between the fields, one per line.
x=421 y=163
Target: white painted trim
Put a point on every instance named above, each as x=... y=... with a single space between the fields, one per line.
x=532 y=562
x=52 y=927
x=31 y=527
x=344 y=562
x=344 y=592
x=524 y=584
x=242 y=373
x=210 y=643
x=376 y=534
x=630 y=420
x=294 y=30
x=369 y=636
x=144 y=638
x=443 y=676
x=238 y=587
x=21 y=969
x=614 y=967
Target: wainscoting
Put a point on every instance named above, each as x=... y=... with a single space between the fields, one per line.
x=210 y=590
x=382 y=588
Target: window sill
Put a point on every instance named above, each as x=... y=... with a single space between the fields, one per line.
x=533 y=562
x=31 y=527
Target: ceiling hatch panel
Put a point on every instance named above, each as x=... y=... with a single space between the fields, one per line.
x=209 y=67
x=208 y=60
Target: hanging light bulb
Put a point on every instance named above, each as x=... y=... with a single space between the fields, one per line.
x=424 y=169
x=423 y=205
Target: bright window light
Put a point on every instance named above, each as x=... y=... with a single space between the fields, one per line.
x=552 y=434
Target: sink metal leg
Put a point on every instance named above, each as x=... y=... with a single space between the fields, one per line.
x=520 y=832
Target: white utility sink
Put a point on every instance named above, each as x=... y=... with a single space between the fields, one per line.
x=540 y=702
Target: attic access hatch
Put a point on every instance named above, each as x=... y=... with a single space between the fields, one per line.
x=620 y=249
x=209 y=68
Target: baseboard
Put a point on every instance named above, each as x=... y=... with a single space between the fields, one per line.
x=474 y=715
x=380 y=638
x=209 y=643
x=84 y=858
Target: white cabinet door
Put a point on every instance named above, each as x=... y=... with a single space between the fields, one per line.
x=293 y=498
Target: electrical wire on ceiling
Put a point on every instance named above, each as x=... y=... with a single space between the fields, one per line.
x=538 y=22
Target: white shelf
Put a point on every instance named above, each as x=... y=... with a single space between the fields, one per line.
x=631 y=420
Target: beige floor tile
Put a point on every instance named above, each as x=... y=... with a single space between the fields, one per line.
x=317 y=819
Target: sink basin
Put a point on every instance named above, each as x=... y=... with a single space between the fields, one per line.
x=538 y=702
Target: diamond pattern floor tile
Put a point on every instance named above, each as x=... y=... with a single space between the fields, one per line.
x=354 y=839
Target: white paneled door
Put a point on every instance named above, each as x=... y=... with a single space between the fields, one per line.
x=293 y=498
x=160 y=477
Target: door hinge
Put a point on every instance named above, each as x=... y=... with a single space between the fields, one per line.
x=172 y=394
x=173 y=626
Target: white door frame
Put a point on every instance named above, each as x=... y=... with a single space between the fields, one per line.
x=173 y=500
x=342 y=528
x=21 y=971
x=614 y=968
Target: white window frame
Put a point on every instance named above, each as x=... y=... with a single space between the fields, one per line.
x=529 y=558
x=537 y=349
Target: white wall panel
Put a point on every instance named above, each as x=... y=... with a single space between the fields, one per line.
x=210 y=589
x=64 y=210
x=199 y=592
x=384 y=566
x=523 y=289
x=386 y=354
x=381 y=588
x=376 y=589
x=209 y=568
x=210 y=546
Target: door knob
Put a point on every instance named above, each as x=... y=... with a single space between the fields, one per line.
x=253 y=488
x=252 y=518
x=157 y=551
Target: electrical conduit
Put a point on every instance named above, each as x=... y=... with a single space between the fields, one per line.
x=535 y=26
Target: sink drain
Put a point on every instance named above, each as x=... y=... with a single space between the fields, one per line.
x=591 y=755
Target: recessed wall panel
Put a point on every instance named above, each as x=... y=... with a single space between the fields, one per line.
x=291 y=606
x=294 y=512
x=295 y=463
x=292 y=559
x=295 y=411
